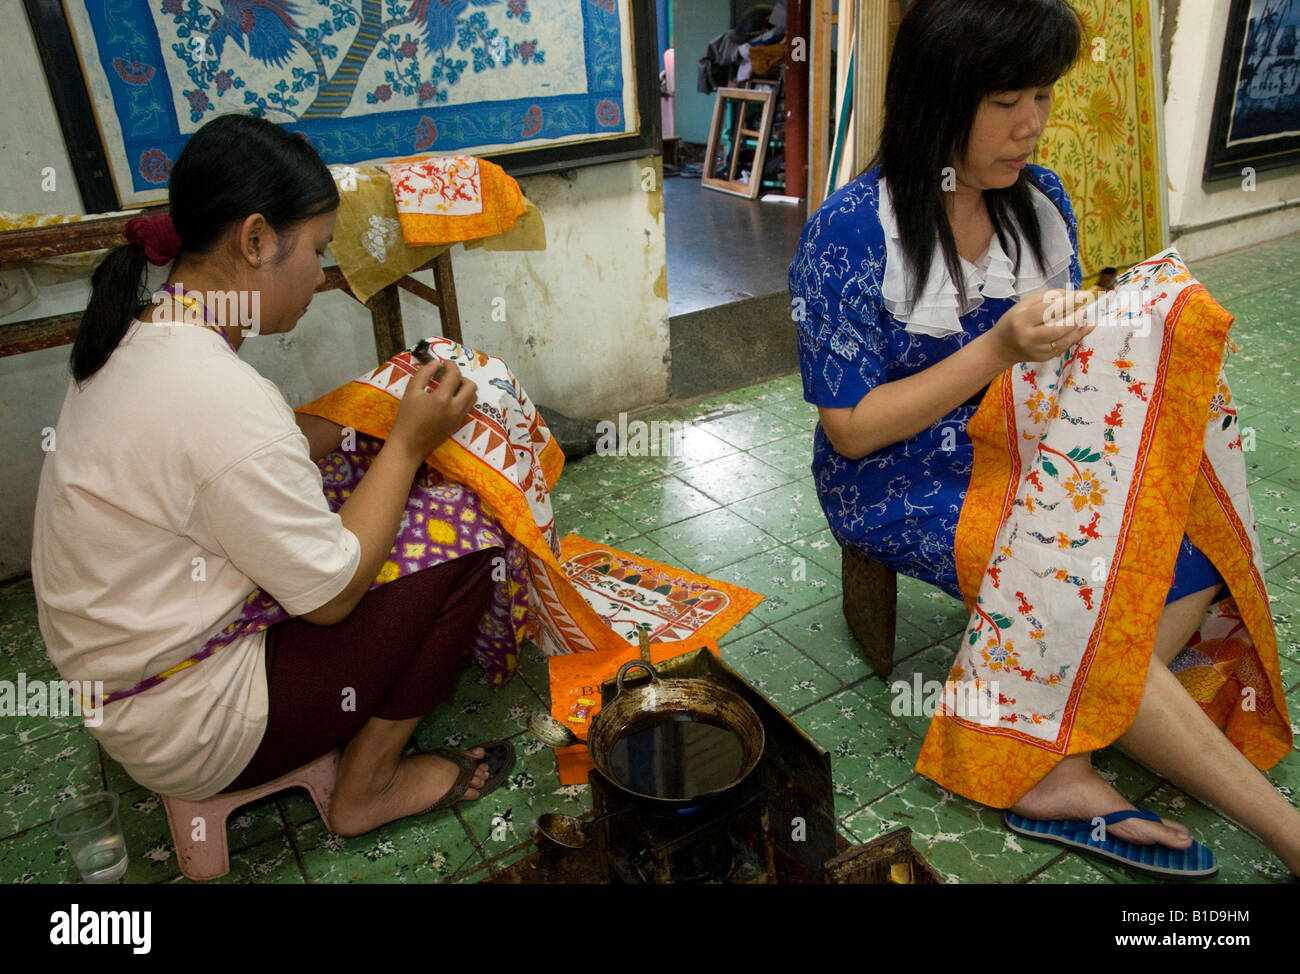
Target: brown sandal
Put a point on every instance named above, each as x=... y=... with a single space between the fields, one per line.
x=499 y=756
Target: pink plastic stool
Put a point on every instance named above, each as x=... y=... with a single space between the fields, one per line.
x=210 y=858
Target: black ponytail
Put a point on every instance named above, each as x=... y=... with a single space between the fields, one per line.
x=948 y=55
x=233 y=166
x=114 y=300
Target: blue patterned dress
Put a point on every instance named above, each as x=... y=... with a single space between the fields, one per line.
x=900 y=504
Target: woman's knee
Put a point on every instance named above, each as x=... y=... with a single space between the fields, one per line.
x=1179 y=622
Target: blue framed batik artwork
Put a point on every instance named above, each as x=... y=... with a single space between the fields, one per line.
x=364 y=80
x=1256 y=121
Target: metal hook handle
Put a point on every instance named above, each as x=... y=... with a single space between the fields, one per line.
x=631 y=665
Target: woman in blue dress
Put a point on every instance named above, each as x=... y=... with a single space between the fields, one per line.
x=917 y=285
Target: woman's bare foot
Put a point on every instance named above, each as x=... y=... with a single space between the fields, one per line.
x=417 y=782
x=1074 y=790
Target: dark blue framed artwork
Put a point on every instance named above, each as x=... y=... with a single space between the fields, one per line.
x=533 y=84
x=1257 y=108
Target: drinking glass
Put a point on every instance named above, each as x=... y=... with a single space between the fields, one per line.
x=91 y=830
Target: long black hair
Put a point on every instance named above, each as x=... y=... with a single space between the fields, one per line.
x=950 y=54
x=233 y=166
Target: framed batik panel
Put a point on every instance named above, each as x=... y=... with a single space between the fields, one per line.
x=533 y=84
x=1257 y=109
x=1105 y=135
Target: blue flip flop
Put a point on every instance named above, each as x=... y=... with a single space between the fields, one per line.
x=1194 y=862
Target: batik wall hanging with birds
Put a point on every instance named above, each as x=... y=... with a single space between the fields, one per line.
x=364 y=80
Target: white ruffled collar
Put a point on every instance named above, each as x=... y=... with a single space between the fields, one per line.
x=935 y=311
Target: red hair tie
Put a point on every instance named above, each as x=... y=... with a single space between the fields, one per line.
x=157 y=235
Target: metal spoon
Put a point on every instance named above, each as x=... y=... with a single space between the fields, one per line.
x=551 y=732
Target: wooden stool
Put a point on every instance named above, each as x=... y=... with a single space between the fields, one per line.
x=209 y=858
x=870 y=594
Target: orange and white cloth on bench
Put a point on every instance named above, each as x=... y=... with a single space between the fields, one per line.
x=1089 y=469
x=449 y=199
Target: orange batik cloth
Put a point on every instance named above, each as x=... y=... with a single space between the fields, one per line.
x=449 y=199
x=1089 y=469
x=677 y=611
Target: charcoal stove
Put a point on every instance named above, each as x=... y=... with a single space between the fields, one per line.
x=727 y=839
x=776 y=826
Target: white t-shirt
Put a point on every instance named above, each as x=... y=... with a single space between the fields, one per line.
x=176 y=450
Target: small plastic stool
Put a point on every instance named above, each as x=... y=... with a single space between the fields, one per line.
x=210 y=857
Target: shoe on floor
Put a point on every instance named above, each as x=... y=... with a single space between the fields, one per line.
x=499 y=756
x=1194 y=862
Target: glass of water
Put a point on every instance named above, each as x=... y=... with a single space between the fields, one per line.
x=90 y=828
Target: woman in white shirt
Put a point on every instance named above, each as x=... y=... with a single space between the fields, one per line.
x=181 y=482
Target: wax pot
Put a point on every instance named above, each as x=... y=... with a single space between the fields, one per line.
x=675 y=741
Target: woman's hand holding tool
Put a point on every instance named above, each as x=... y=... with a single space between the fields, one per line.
x=428 y=415
x=1043 y=325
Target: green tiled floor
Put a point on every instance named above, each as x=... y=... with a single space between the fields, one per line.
x=734 y=501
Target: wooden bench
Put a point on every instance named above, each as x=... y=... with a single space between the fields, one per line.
x=85 y=236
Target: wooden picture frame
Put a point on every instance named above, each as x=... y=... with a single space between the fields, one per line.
x=101 y=190
x=743 y=98
x=1256 y=122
